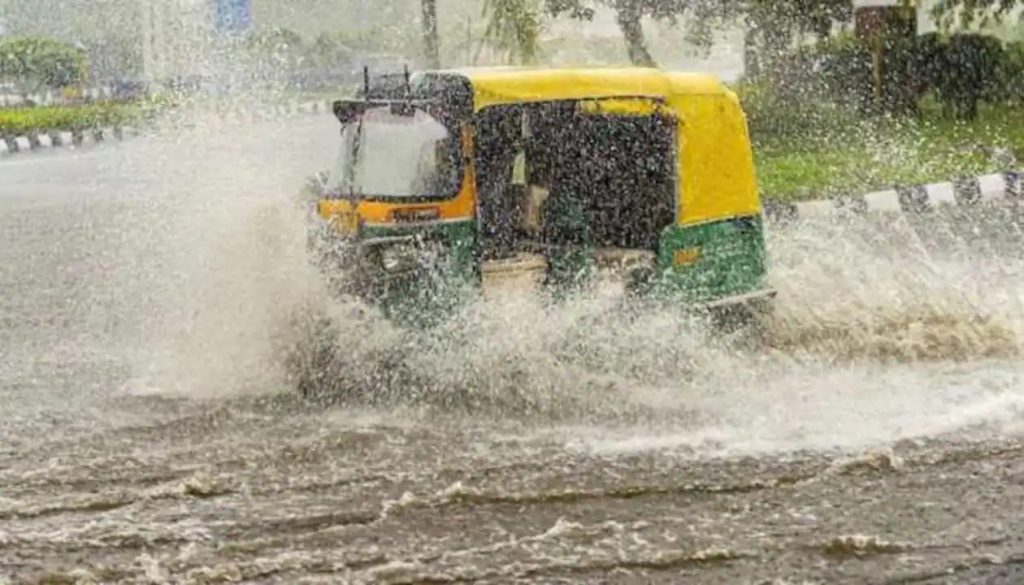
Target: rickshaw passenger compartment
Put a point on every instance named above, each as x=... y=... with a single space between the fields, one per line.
x=619 y=169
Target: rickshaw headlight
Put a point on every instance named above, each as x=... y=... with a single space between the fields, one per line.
x=391 y=259
x=398 y=258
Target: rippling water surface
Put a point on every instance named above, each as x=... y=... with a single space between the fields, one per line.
x=156 y=308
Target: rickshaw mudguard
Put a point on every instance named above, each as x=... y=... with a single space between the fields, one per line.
x=712 y=261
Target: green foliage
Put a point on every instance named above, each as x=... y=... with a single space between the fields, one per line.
x=970 y=69
x=772 y=24
x=887 y=152
x=1014 y=72
x=970 y=12
x=19 y=121
x=961 y=70
x=813 y=139
x=37 y=63
x=838 y=69
x=783 y=116
x=514 y=27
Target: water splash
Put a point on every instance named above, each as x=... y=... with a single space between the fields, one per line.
x=872 y=318
x=873 y=288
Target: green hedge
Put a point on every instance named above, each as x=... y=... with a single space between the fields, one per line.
x=1014 y=71
x=786 y=117
x=19 y=121
x=961 y=70
x=890 y=151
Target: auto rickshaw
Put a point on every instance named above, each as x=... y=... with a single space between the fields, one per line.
x=449 y=181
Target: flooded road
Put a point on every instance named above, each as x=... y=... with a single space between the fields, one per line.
x=155 y=307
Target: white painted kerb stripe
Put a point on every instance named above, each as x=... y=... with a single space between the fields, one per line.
x=883 y=201
x=809 y=208
x=941 y=194
x=993 y=187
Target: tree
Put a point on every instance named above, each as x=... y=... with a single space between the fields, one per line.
x=772 y=25
x=33 y=64
x=967 y=68
x=972 y=11
x=629 y=15
x=514 y=27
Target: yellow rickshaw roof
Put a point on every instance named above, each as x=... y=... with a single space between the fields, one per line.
x=509 y=85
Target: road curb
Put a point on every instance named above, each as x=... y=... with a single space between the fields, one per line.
x=59 y=139
x=964 y=192
x=67 y=139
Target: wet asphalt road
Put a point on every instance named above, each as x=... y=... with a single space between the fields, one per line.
x=151 y=295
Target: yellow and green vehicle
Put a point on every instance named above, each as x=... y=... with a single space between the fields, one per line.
x=446 y=180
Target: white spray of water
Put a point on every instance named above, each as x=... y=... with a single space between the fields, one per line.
x=868 y=322
x=231 y=248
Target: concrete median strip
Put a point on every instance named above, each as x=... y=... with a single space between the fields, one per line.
x=996 y=187
x=62 y=139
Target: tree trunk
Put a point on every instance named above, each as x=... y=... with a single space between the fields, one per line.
x=751 y=58
x=629 y=19
x=877 y=74
x=431 y=52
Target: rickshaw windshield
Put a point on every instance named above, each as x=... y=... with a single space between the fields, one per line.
x=385 y=154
